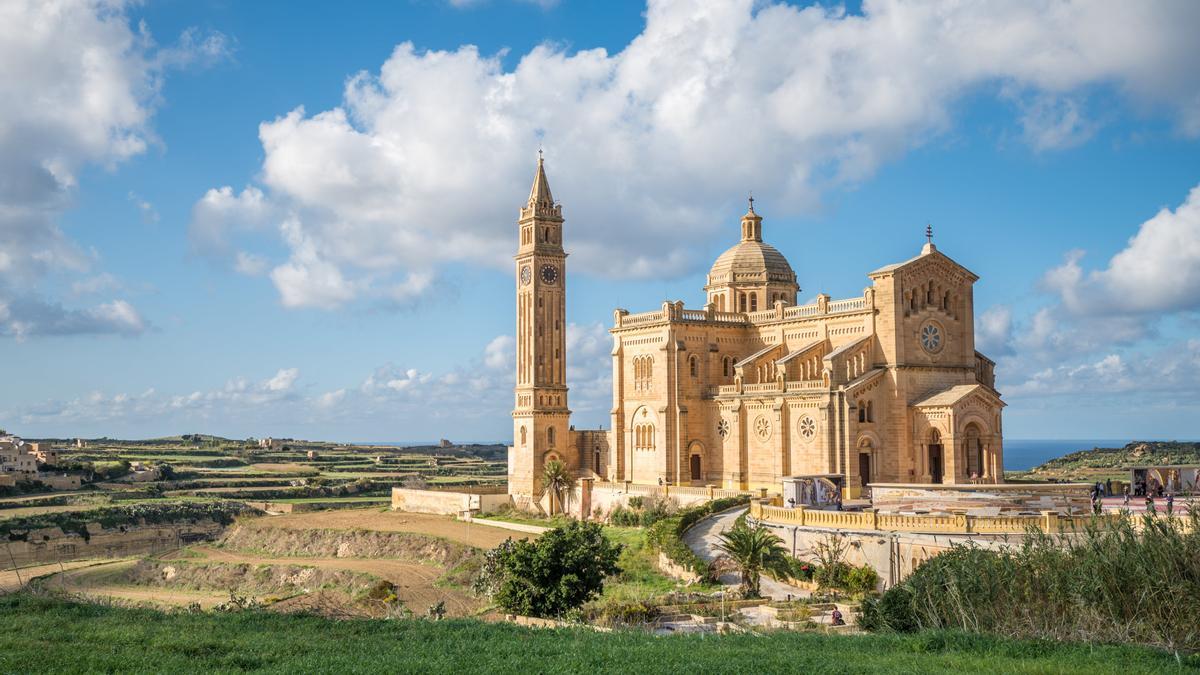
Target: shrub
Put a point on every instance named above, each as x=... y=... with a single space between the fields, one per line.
x=555 y=573
x=861 y=580
x=1134 y=581
x=114 y=516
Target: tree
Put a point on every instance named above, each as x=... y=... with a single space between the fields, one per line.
x=557 y=481
x=546 y=577
x=754 y=550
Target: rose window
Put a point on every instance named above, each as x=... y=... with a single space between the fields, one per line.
x=723 y=428
x=762 y=427
x=931 y=337
x=807 y=427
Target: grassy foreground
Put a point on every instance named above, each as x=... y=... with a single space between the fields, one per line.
x=39 y=634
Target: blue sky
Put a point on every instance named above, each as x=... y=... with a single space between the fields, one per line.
x=296 y=219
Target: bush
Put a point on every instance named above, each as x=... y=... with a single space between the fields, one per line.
x=17 y=529
x=1134 y=581
x=555 y=573
x=861 y=580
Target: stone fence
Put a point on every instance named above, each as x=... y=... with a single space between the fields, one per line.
x=875 y=521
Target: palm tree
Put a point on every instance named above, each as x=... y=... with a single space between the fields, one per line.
x=754 y=550
x=557 y=480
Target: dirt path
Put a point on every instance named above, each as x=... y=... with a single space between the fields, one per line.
x=392 y=521
x=703 y=538
x=414 y=581
x=8 y=578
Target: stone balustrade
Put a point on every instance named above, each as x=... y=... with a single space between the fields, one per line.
x=933 y=523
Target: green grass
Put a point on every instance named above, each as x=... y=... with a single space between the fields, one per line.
x=43 y=635
x=640 y=577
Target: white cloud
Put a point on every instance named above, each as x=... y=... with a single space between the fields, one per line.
x=426 y=161
x=249 y=264
x=79 y=87
x=95 y=284
x=501 y=352
x=222 y=211
x=24 y=318
x=283 y=380
x=1158 y=271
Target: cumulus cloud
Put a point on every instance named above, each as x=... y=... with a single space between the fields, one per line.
x=426 y=160
x=1158 y=271
x=25 y=317
x=1172 y=370
x=80 y=86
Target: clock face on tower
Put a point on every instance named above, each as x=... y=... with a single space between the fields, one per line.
x=525 y=275
x=549 y=274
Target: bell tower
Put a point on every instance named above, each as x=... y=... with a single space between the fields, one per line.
x=541 y=419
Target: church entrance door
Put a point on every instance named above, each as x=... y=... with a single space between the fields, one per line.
x=935 y=462
x=864 y=469
x=695 y=467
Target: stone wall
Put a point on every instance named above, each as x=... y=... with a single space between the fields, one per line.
x=50 y=545
x=446 y=502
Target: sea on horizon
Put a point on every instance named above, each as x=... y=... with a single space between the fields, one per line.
x=1022 y=454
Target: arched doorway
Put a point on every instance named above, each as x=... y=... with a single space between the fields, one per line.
x=694 y=465
x=935 y=456
x=865 y=451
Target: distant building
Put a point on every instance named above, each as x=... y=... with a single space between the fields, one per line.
x=445 y=444
x=270 y=443
x=312 y=454
x=20 y=460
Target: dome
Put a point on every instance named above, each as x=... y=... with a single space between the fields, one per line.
x=751 y=261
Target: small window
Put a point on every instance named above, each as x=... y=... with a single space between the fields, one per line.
x=754 y=302
x=694 y=366
x=550 y=436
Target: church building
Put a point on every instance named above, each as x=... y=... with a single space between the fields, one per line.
x=885 y=387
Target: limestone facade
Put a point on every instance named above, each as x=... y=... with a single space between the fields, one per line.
x=884 y=387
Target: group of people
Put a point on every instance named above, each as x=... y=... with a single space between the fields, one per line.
x=1102 y=490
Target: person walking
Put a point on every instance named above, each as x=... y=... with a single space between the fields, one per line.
x=1150 y=503
x=1170 y=502
x=1126 y=502
x=1108 y=488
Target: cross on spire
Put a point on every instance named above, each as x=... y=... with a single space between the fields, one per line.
x=751 y=201
x=928 y=233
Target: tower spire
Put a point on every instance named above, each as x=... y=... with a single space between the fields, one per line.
x=539 y=194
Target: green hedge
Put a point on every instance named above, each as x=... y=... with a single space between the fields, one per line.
x=666 y=535
x=17 y=529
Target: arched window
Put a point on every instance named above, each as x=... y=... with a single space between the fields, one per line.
x=694 y=366
x=870 y=411
x=726 y=366
x=754 y=302
x=741 y=302
x=862 y=411
x=973 y=449
x=550 y=436
x=523 y=439
x=946 y=301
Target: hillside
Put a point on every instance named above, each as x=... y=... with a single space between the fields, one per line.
x=1101 y=463
x=94 y=638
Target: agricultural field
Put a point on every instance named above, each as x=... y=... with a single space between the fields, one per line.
x=353 y=562
x=200 y=467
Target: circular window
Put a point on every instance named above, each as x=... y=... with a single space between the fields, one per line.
x=807 y=427
x=762 y=427
x=931 y=337
x=723 y=428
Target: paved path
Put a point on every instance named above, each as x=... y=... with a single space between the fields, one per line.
x=703 y=538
